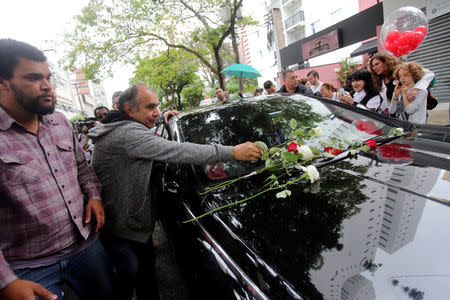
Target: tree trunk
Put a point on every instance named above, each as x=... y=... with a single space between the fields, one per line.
x=180 y=106
x=219 y=62
x=236 y=56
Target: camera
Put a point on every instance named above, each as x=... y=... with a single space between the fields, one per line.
x=341 y=92
x=78 y=125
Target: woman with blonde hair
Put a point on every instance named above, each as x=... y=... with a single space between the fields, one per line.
x=382 y=67
x=401 y=107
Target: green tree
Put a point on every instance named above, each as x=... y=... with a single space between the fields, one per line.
x=113 y=31
x=193 y=93
x=170 y=71
x=347 y=67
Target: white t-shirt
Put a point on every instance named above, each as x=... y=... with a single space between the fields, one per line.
x=314 y=89
x=373 y=103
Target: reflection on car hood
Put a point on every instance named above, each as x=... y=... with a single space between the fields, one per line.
x=377 y=225
x=371 y=229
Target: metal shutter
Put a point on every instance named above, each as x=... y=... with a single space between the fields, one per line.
x=434 y=54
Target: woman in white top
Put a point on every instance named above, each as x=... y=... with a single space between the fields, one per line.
x=365 y=91
x=401 y=106
x=328 y=91
x=382 y=67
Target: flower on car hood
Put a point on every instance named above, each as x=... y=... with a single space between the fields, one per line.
x=293 y=147
x=372 y=144
x=306 y=152
x=333 y=151
x=312 y=172
x=318 y=132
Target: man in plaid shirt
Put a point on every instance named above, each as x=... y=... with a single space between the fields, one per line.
x=50 y=205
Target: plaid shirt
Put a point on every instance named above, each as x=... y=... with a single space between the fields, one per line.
x=44 y=183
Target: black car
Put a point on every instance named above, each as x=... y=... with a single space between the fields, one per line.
x=375 y=226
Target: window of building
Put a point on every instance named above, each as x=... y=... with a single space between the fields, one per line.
x=337 y=16
x=315 y=26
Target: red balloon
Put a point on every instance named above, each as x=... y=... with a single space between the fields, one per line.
x=394 y=47
x=403 y=50
x=418 y=38
x=422 y=29
x=392 y=36
x=406 y=39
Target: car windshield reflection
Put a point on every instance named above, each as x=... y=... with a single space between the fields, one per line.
x=268 y=121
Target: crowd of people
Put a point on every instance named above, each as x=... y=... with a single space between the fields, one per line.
x=67 y=221
x=377 y=87
x=90 y=224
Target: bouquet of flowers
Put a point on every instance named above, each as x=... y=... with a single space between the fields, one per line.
x=297 y=153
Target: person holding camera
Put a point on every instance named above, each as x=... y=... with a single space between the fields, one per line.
x=408 y=74
x=365 y=92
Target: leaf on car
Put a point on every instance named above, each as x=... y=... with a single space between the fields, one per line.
x=262 y=145
x=293 y=124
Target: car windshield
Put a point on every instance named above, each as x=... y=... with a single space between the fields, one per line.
x=268 y=120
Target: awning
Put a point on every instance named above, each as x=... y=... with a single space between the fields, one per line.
x=369 y=47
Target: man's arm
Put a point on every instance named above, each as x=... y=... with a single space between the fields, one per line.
x=12 y=288
x=143 y=144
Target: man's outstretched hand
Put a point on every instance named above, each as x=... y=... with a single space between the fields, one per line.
x=25 y=290
x=247 y=151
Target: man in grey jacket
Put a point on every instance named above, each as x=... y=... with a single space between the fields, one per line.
x=123 y=156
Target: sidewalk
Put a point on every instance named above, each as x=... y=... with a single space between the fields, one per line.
x=439 y=115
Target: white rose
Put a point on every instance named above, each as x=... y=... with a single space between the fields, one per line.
x=318 y=132
x=305 y=151
x=312 y=172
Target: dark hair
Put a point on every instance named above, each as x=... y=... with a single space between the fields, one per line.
x=98 y=108
x=268 y=84
x=303 y=80
x=364 y=75
x=285 y=72
x=390 y=62
x=10 y=52
x=258 y=91
x=313 y=73
x=129 y=96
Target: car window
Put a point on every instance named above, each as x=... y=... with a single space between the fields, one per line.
x=268 y=120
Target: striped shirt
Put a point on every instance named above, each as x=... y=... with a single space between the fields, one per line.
x=44 y=184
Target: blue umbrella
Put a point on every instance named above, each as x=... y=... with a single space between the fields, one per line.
x=241 y=70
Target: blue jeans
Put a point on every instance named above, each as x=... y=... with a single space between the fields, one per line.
x=134 y=264
x=89 y=273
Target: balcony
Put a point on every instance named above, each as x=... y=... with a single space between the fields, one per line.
x=294 y=20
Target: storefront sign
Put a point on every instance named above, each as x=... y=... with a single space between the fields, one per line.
x=321 y=45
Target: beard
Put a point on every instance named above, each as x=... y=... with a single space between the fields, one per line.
x=33 y=104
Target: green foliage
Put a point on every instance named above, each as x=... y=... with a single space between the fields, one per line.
x=110 y=32
x=76 y=118
x=347 y=67
x=250 y=84
x=232 y=88
x=193 y=94
x=170 y=71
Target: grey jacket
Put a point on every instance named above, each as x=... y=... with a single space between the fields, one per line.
x=123 y=156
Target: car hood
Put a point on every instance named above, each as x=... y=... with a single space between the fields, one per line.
x=374 y=227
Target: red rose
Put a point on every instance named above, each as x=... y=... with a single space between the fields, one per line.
x=372 y=144
x=293 y=147
x=332 y=151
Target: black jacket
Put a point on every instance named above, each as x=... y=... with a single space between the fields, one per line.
x=300 y=89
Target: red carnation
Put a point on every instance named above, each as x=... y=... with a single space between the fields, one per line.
x=372 y=144
x=332 y=151
x=292 y=147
